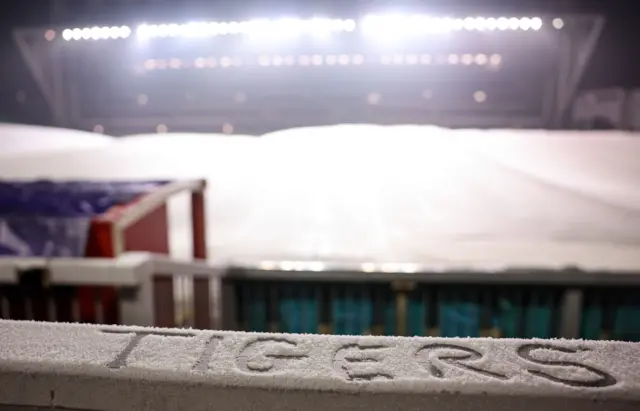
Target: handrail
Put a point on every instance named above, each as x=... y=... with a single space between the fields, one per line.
x=350 y=272
x=147 y=204
x=541 y=262
x=108 y=368
x=154 y=200
x=128 y=269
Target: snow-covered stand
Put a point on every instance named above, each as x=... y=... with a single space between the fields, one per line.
x=409 y=300
x=108 y=368
x=96 y=252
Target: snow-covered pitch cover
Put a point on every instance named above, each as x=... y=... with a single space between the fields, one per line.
x=389 y=194
x=108 y=368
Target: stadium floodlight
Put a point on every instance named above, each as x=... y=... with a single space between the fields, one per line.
x=394 y=25
x=492 y=61
x=405 y=47
x=97 y=33
x=558 y=23
x=260 y=27
x=417 y=24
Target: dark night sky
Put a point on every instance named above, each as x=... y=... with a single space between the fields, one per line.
x=614 y=63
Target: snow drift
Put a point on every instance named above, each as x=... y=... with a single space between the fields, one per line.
x=23 y=139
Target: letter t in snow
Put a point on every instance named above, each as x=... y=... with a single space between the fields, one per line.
x=121 y=359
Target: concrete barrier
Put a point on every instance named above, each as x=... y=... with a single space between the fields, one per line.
x=102 y=368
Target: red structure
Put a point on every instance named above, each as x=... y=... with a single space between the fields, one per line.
x=138 y=226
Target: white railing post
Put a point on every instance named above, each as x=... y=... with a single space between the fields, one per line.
x=136 y=304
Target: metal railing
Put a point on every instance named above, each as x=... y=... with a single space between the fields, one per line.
x=154 y=290
x=498 y=303
x=45 y=290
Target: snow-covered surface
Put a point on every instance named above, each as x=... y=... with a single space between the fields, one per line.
x=16 y=139
x=417 y=194
x=121 y=369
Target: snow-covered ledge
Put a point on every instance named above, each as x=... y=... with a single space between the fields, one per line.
x=105 y=368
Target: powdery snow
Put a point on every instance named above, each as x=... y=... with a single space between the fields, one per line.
x=109 y=368
x=364 y=193
x=19 y=139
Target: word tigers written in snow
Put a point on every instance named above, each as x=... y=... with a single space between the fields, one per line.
x=358 y=361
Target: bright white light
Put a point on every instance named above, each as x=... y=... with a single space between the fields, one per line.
x=323 y=27
x=368 y=267
x=481 y=59
x=396 y=26
x=525 y=23
x=259 y=28
x=125 y=32
x=116 y=32
x=97 y=33
x=385 y=26
x=398 y=59
x=196 y=29
x=316 y=266
x=264 y=61
x=86 y=34
x=480 y=96
x=481 y=23
x=165 y=30
x=536 y=23
x=348 y=25
x=409 y=268
x=320 y=27
x=267 y=265
x=469 y=23
x=558 y=23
